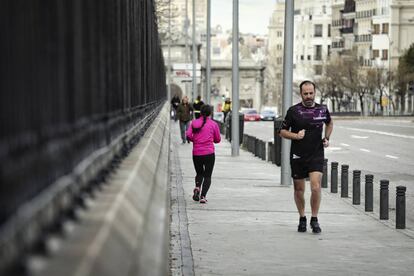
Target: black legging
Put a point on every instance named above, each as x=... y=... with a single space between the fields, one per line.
x=203 y=165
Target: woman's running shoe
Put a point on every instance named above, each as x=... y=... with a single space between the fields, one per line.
x=203 y=199
x=196 y=194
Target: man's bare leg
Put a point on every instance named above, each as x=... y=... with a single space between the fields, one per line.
x=299 y=185
x=315 y=180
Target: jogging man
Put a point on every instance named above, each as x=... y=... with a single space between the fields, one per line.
x=303 y=125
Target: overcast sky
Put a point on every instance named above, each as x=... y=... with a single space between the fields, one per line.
x=254 y=15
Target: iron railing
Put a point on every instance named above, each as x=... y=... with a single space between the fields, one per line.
x=74 y=75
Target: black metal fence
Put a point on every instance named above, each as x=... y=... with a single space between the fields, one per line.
x=74 y=75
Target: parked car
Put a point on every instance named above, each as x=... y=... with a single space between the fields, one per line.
x=267 y=115
x=251 y=115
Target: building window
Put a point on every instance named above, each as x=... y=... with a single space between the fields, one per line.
x=318 y=52
x=309 y=57
x=375 y=54
x=329 y=50
x=385 y=28
x=318 y=69
x=279 y=34
x=279 y=75
x=329 y=30
x=384 y=54
x=376 y=29
x=279 y=46
x=301 y=57
x=361 y=60
x=279 y=60
x=318 y=30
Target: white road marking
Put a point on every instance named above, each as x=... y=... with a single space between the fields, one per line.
x=359 y=137
x=379 y=132
x=333 y=148
x=345 y=145
x=391 y=156
x=365 y=150
x=393 y=124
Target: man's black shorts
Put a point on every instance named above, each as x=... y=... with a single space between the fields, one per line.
x=301 y=168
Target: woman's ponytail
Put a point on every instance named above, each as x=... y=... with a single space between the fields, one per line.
x=205 y=112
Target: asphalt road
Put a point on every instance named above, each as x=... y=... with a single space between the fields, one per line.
x=383 y=147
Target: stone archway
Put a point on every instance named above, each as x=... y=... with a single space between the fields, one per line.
x=176 y=90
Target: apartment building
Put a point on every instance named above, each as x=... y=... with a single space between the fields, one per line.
x=274 y=68
x=312 y=36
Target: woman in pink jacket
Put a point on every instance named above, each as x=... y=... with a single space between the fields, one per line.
x=203 y=132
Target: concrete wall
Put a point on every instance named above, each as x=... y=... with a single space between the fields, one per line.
x=124 y=230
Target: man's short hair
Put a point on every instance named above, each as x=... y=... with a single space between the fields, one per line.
x=306 y=82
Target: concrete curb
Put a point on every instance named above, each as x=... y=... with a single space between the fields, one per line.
x=125 y=229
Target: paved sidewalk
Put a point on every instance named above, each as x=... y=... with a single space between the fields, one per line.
x=249 y=225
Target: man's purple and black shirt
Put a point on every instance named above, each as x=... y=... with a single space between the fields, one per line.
x=311 y=119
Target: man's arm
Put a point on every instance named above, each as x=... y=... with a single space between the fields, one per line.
x=292 y=135
x=328 y=132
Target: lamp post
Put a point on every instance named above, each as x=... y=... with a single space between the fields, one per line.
x=208 y=53
x=194 y=93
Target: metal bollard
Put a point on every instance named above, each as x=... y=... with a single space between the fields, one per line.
x=384 y=199
x=400 y=208
x=325 y=174
x=264 y=150
x=356 y=187
x=369 y=194
x=344 y=180
x=334 y=177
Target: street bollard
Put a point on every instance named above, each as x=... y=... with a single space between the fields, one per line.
x=384 y=199
x=369 y=194
x=325 y=174
x=270 y=152
x=344 y=180
x=334 y=177
x=356 y=187
x=400 y=208
x=264 y=150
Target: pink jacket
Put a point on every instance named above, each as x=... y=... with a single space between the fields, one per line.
x=204 y=139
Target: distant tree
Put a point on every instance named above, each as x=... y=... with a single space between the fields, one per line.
x=357 y=80
x=379 y=79
x=166 y=10
x=331 y=85
x=404 y=74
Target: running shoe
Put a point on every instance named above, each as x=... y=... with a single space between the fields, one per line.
x=203 y=199
x=196 y=194
x=315 y=225
x=302 y=224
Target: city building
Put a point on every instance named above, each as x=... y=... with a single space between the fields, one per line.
x=274 y=65
x=312 y=36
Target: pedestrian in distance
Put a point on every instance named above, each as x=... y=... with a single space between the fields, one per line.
x=198 y=103
x=203 y=132
x=226 y=108
x=175 y=102
x=303 y=125
x=184 y=114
